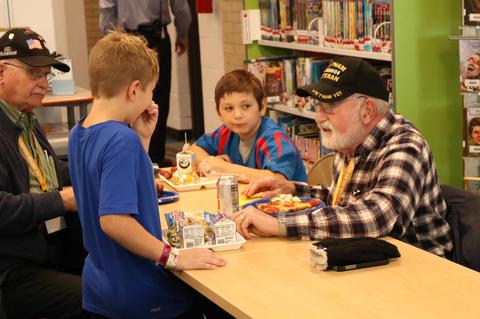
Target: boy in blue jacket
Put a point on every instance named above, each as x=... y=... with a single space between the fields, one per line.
x=247 y=144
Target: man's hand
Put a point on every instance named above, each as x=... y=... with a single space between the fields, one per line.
x=252 y=222
x=270 y=187
x=68 y=199
x=180 y=48
x=199 y=258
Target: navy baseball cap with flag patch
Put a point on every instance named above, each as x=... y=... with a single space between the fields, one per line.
x=30 y=48
x=342 y=78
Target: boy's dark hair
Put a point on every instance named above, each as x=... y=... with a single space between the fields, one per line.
x=239 y=81
x=473 y=122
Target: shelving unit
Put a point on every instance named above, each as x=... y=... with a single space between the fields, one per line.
x=425 y=76
x=469 y=44
x=321 y=49
x=290 y=110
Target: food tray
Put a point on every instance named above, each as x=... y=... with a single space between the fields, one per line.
x=167 y=197
x=300 y=212
x=203 y=183
x=221 y=247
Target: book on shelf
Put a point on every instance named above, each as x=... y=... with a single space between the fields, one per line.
x=471 y=130
x=270 y=72
x=472 y=174
x=345 y=24
x=469 y=51
x=471 y=12
x=306 y=136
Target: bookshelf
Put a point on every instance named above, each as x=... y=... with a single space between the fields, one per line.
x=290 y=110
x=321 y=49
x=423 y=62
x=469 y=89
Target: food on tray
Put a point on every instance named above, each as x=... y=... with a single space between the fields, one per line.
x=167 y=173
x=198 y=228
x=179 y=177
x=285 y=203
x=185 y=177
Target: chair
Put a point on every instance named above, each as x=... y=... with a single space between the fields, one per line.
x=321 y=172
x=463 y=216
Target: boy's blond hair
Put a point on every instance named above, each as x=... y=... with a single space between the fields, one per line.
x=117 y=60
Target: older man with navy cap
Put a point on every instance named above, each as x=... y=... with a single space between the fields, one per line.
x=33 y=198
x=385 y=180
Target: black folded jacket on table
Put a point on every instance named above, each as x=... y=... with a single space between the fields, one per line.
x=348 y=251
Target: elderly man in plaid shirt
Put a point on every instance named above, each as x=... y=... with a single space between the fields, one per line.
x=385 y=180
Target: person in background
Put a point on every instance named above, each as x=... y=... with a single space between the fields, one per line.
x=474 y=130
x=386 y=180
x=34 y=197
x=247 y=144
x=126 y=271
x=150 y=19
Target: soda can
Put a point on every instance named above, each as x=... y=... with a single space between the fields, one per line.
x=227 y=195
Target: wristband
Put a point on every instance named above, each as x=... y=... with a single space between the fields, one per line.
x=167 y=249
x=172 y=259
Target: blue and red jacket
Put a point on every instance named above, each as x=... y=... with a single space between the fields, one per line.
x=272 y=150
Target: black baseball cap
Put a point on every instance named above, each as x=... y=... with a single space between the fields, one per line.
x=343 y=77
x=30 y=48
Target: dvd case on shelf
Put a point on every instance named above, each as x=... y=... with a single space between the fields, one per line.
x=471 y=12
x=472 y=131
x=469 y=65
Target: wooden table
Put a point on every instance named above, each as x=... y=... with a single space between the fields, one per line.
x=272 y=278
x=81 y=99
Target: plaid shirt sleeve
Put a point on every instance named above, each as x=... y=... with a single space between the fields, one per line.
x=394 y=193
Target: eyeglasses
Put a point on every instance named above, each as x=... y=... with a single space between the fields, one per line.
x=328 y=108
x=34 y=74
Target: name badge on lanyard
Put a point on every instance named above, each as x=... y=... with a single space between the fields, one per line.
x=342 y=182
x=54 y=224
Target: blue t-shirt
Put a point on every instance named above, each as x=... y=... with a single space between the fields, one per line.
x=112 y=174
x=272 y=150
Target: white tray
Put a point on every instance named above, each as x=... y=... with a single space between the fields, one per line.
x=203 y=183
x=222 y=247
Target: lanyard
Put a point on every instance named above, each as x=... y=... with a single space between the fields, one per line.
x=33 y=164
x=342 y=182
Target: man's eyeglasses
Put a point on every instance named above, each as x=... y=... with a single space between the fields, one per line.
x=34 y=74
x=328 y=108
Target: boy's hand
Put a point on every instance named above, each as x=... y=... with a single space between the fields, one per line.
x=213 y=164
x=145 y=124
x=200 y=258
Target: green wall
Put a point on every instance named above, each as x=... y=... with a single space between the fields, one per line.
x=426 y=75
x=426 y=67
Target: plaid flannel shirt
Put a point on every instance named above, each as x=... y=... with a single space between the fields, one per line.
x=394 y=191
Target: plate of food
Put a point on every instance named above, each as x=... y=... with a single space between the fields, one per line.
x=185 y=181
x=287 y=204
x=167 y=197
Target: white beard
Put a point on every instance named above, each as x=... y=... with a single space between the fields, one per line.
x=354 y=135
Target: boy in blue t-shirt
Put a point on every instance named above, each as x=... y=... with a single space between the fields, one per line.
x=247 y=144
x=125 y=273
